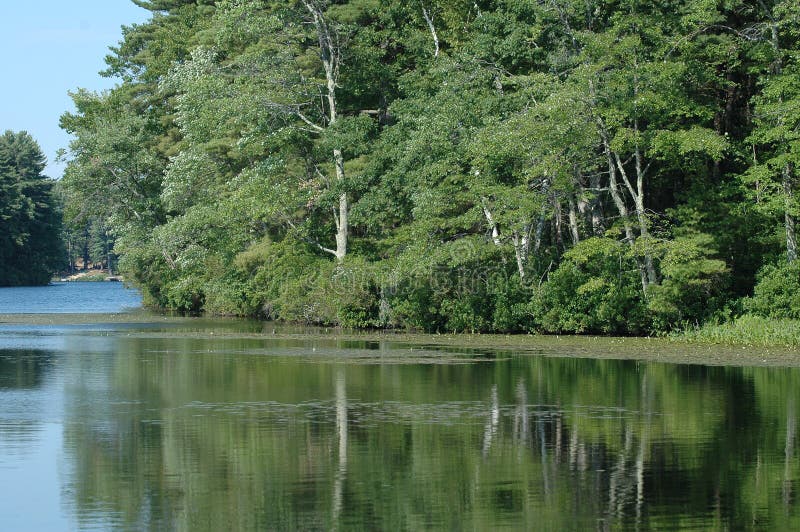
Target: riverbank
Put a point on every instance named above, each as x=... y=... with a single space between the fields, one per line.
x=677 y=350
x=91 y=276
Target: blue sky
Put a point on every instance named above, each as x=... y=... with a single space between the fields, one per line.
x=49 y=47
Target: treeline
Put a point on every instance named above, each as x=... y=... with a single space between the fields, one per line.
x=89 y=244
x=30 y=218
x=555 y=165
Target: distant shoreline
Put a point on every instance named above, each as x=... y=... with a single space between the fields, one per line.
x=90 y=276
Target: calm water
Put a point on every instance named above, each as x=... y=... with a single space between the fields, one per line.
x=192 y=426
x=61 y=298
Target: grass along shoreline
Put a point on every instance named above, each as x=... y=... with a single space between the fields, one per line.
x=747 y=330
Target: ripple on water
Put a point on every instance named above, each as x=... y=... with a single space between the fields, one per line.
x=394 y=412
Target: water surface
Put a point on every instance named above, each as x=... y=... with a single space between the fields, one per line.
x=72 y=297
x=216 y=425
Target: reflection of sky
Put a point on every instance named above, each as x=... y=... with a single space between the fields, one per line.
x=56 y=339
x=22 y=340
x=30 y=494
x=31 y=443
x=34 y=469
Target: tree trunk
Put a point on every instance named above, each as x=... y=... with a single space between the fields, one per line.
x=431 y=28
x=492 y=223
x=613 y=188
x=542 y=218
x=329 y=53
x=559 y=236
x=598 y=223
x=573 y=221
x=522 y=249
x=619 y=202
x=70 y=255
x=589 y=206
x=644 y=231
x=342 y=225
x=637 y=193
x=791 y=236
x=537 y=243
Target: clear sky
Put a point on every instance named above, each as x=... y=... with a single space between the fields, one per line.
x=49 y=47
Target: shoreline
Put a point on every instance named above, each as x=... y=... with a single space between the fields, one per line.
x=643 y=349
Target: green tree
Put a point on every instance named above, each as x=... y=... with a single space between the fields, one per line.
x=31 y=249
x=453 y=156
x=773 y=177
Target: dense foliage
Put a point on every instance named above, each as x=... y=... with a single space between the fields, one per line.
x=617 y=166
x=30 y=220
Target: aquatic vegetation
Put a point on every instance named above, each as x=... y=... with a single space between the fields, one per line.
x=747 y=330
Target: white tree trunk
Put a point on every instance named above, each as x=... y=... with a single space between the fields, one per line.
x=432 y=28
x=329 y=53
x=789 y=222
x=521 y=249
x=598 y=224
x=557 y=215
x=573 y=222
x=619 y=202
x=492 y=223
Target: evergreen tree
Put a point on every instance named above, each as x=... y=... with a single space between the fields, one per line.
x=30 y=241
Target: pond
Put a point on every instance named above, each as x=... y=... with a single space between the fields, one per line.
x=66 y=297
x=178 y=424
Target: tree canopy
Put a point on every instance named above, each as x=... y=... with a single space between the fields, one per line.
x=495 y=165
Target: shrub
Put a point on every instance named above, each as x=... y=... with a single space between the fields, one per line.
x=693 y=285
x=777 y=292
x=461 y=287
x=596 y=288
x=283 y=280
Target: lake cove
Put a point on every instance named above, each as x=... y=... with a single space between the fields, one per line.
x=133 y=421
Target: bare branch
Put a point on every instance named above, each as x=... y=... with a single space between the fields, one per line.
x=311 y=124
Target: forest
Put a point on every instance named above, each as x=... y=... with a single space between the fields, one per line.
x=30 y=217
x=560 y=166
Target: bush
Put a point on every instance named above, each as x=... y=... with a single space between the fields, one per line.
x=693 y=286
x=777 y=292
x=285 y=281
x=596 y=288
x=279 y=280
x=352 y=293
x=511 y=302
x=466 y=287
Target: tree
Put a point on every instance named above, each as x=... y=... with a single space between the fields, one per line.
x=776 y=137
x=30 y=246
x=458 y=158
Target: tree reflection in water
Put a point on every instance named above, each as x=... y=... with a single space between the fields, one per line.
x=185 y=439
